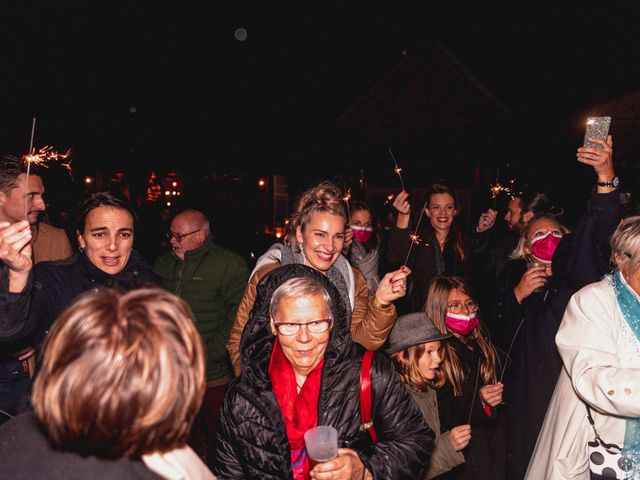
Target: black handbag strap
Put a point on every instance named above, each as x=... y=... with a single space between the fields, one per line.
x=598 y=438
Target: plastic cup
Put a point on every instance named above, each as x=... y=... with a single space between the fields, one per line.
x=321 y=443
x=534 y=264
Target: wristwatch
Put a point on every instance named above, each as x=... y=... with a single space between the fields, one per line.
x=613 y=183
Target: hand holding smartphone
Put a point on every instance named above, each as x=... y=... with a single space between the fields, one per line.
x=597 y=127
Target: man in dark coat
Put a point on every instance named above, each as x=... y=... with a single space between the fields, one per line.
x=253 y=441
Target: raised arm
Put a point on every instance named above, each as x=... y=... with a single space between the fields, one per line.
x=15 y=288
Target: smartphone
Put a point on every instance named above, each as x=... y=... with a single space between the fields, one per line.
x=597 y=127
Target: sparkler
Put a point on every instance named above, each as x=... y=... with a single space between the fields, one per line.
x=398 y=170
x=33 y=131
x=475 y=391
x=415 y=239
x=346 y=198
x=497 y=188
x=41 y=158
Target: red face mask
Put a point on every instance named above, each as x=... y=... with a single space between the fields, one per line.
x=544 y=247
x=361 y=234
x=461 y=324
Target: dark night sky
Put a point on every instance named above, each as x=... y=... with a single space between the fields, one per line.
x=203 y=99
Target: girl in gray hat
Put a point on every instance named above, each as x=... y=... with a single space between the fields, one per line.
x=416 y=350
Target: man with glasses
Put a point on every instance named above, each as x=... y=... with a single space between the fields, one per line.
x=211 y=280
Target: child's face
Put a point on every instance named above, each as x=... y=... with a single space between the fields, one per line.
x=430 y=360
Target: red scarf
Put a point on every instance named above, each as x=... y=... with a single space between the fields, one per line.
x=300 y=410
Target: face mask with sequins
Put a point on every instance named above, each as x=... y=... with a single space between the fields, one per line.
x=544 y=247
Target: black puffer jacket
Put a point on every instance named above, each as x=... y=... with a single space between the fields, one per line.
x=252 y=441
x=56 y=284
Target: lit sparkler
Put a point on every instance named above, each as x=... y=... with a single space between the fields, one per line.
x=390 y=197
x=45 y=155
x=346 y=198
x=397 y=169
x=41 y=158
x=415 y=239
x=497 y=188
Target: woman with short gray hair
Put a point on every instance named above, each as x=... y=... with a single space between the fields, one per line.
x=599 y=342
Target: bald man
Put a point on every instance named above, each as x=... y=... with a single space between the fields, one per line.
x=211 y=280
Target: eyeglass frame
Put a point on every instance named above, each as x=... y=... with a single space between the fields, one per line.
x=466 y=305
x=328 y=321
x=180 y=236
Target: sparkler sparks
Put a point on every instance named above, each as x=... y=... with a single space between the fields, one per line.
x=346 y=198
x=41 y=158
x=45 y=155
x=415 y=239
x=397 y=169
x=497 y=188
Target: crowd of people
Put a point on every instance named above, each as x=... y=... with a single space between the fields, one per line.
x=458 y=355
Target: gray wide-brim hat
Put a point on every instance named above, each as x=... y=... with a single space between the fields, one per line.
x=413 y=329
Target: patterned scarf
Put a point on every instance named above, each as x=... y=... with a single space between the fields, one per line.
x=340 y=273
x=300 y=410
x=367 y=263
x=630 y=307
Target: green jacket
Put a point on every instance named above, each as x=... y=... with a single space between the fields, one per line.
x=211 y=280
x=444 y=457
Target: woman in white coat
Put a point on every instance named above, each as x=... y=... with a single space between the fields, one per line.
x=599 y=342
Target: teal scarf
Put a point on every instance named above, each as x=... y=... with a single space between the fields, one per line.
x=630 y=307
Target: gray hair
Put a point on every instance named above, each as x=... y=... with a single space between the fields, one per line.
x=296 y=288
x=625 y=244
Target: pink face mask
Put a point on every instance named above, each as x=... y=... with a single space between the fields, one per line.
x=461 y=324
x=361 y=234
x=544 y=247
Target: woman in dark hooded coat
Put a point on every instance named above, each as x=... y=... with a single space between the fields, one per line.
x=256 y=434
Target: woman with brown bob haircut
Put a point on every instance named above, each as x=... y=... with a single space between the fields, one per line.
x=121 y=382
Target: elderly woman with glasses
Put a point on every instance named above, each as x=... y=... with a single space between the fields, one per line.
x=303 y=370
x=599 y=342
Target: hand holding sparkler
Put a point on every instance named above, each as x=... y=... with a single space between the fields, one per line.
x=402 y=205
x=16 y=253
x=348 y=240
x=492 y=394
x=393 y=286
x=348 y=233
x=460 y=437
x=487 y=220
x=414 y=238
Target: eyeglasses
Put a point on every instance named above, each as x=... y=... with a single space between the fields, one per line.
x=317 y=326
x=457 y=307
x=180 y=236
